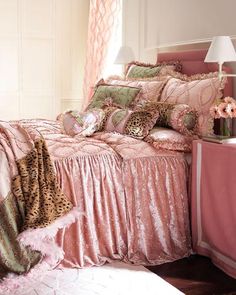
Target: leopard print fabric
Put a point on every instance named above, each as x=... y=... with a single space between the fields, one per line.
x=165 y=113
x=140 y=123
x=164 y=109
x=39 y=197
x=180 y=117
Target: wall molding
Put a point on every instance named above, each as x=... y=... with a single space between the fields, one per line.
x=181 y=43
x=42 y=44
x=156 y=33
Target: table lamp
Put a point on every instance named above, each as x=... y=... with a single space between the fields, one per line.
x=124 y=55
x=221 y=50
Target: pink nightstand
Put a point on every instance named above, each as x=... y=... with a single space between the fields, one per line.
x=213 y=203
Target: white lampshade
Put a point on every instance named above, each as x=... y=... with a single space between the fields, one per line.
x=124 y=55
x=221 y=50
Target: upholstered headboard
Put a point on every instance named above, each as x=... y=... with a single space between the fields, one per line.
x=193 y=63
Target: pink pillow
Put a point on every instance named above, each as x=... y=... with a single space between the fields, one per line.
x=83 y=123
x=164 y=138
x=133 y=123
x=150 y=88
x=199 y=92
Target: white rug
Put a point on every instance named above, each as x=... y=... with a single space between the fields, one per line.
x=111 y=279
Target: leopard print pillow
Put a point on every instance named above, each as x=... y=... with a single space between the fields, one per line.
x=133 y=123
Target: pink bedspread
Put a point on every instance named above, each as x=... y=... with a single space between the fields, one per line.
x=134 y=198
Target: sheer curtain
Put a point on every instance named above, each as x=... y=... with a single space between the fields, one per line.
x=104 y=34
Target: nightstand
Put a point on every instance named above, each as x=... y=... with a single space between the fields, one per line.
x=213 y=203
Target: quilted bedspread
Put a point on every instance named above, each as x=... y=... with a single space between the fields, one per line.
x=131 y=199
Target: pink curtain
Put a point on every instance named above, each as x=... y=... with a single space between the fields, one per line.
x=103 y=22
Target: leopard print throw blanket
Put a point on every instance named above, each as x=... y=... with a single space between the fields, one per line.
x=32 y=207
x=39 y=197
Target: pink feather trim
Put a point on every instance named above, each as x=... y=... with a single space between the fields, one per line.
x=41 y=239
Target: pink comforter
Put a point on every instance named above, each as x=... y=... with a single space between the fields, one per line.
x=134 y=198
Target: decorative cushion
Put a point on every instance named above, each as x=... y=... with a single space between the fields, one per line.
x=150 y=88
x=199 y=92
x=116 y=95
x=180 y=117
x=84 y=123
x=144 y=70
x=133 y=123
x=164 y=138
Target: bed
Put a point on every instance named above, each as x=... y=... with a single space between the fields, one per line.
x=129 y=200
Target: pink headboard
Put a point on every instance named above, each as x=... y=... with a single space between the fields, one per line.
x=193 y=63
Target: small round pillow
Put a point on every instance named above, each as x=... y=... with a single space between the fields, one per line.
x=83 y=123
x=165 y=138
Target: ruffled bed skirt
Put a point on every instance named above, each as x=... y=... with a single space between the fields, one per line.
x=135 y=210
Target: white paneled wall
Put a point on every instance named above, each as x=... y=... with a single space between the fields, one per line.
x=42 y=54
x=135 y=30
x=152 y=24
x=166 y=25
x=72 y=37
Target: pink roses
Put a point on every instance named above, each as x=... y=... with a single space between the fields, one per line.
x=226 y=108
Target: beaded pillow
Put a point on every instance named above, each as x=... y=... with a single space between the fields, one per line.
x=199 y=92
x=179 y=117
x=144 y=70
x=164 y=138
x=125 y=121
x=121 y=96
x=84 y=123
x=150 y=88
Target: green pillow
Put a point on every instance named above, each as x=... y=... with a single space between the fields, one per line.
x=105 y=95
x=136 y=69
x=143 y=72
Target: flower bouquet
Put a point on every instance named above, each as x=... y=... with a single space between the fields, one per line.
x=224 y=110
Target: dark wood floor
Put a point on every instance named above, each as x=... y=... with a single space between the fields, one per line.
x=196 y=275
